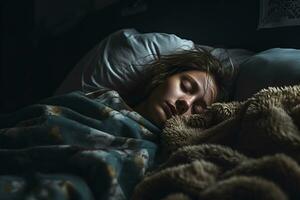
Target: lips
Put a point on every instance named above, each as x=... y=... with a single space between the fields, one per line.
x=167 y=110
x=170 y=110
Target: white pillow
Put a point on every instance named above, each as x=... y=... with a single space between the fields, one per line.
x=273 y=67
x=122 y=55
x=117 y=62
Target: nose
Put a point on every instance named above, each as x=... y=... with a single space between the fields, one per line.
x=182 y=106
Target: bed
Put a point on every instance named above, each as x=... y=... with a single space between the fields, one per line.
x=87 y=143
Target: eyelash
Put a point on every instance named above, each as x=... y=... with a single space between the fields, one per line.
x=201 y=108
x=186 y=86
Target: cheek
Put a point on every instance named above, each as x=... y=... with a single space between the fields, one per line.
x=169 y=90
x=160 y=93
x=172 y=91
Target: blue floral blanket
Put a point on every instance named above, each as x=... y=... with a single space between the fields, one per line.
x=75 y=146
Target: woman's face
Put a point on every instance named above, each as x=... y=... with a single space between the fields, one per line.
x=185 y=93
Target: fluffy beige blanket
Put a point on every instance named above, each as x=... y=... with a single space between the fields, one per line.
x=238 y=150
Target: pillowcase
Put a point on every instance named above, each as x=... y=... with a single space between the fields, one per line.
x=118 y=62
x=120 y=58
x=273 y=67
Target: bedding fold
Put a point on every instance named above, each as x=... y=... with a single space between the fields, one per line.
x=237 y=150
x=75 y=146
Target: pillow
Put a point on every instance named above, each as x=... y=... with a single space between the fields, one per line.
x=118 y=61
x=273 y=67
x=121 y=56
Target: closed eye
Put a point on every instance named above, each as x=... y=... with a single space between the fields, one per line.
x=189 y=85
x=199 y=107
x=186 y=86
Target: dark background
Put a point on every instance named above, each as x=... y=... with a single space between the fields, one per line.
x=41 y=40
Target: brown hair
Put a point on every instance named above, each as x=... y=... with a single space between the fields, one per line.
x=194 y=59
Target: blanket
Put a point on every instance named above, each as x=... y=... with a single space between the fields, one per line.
x=75 y=146
x=237 y=150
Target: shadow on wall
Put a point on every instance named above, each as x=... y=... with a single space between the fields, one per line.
x=41 y=41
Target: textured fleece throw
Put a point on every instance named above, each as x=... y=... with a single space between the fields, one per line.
x=238 y=150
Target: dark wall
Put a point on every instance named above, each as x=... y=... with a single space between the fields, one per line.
x=229 y=23
x=41 y=42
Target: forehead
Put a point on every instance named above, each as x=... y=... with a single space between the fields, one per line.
x=197 y=74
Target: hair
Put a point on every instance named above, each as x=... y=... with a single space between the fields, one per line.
x=195 y=59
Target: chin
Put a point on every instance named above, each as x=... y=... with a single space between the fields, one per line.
x=159 y=117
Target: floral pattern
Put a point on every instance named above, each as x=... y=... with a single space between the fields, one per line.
x=75 y=146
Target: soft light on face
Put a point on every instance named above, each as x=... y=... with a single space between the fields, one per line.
x=184 y=93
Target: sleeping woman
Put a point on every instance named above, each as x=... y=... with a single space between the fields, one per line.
x=98 y=145
x=183 y=84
